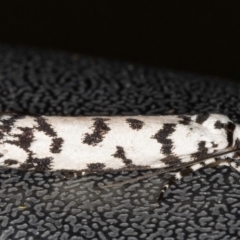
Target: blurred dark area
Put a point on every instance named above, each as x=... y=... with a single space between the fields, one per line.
x=189 y=36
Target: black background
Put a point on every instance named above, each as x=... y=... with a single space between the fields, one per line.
x=190 y=36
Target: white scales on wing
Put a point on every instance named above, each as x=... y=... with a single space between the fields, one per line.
x=49 y=143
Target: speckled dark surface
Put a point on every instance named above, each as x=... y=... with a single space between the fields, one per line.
x=204 y=205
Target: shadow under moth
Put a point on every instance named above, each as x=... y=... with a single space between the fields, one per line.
x=175 y=144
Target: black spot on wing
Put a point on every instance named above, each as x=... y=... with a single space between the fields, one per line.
x=162 y=137
x=96 y=166
x=201 y=118
x=6 y=125
x=214 y=145
x=9 y=162
x=45 y=127
x=202 y=151
x=218 y=125
x=24 y=139
x=229 y=128
x=56 y=145
x=135 y=123
x=171 y=160
x=100 y=129
x=185 y=120
x=120 y=153
x=43 y=164
x=37 y=164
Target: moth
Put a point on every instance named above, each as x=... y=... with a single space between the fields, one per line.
x=176 y=144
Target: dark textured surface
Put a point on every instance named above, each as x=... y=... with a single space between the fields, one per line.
x=204 y=205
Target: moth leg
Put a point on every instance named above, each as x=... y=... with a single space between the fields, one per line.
x=169 y=182
x=176 y=176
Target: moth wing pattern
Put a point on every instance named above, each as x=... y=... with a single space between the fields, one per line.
x=98 y=144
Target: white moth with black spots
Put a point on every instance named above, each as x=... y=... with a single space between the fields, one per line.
x=176 y=144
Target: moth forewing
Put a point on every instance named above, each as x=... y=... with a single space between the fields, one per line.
x=102 y=144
